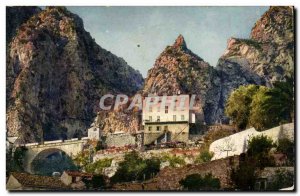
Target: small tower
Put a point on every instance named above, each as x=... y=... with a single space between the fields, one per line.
x=94 y=133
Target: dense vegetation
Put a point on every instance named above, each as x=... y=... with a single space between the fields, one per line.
x=15 y=163
x=97 y=182
x=282 y=179
x=287 y=147
x=261 y=107
x=195 y=182
x=173 y=160
x=135 y=168
x=257 y=157
x=98 y=166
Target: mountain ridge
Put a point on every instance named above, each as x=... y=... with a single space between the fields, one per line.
x=66 y=72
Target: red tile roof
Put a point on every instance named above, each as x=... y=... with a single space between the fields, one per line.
x=78 y=174
x=37 y=181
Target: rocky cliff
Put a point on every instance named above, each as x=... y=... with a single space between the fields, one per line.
x=267 y=56
x=56 y=74
x=179 y=70
x=17 y=15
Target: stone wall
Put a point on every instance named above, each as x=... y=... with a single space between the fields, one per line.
x=120 y=139
x=168 y=178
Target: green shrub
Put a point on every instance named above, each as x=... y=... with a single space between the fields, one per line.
x=259 y=148
x=204 y=156
x=135 y=168
x=245 y=175
x=282 y=179
x=98 y=146
x=173 y=160
x=18 y=158
x=98 y=166
x=97 y=182
x=260 y=144
x=286 y=147
x=238 y=105
x=261 y=107
x=196 y=182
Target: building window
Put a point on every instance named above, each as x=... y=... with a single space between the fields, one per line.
x=158 y=128
x=165 y=128
x=174 y=117
x=158 y=118
x=182 y=117
x=150 y=118
x=166 y=109
x=149 y=128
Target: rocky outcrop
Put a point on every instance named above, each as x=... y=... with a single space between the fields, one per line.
x=176 y=71
x=266 y=57
x=17 y=15
x=179 y=71
x=56 y=74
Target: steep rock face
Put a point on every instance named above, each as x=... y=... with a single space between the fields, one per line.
x=176 y=70
x=17 y=15
x=179 y=70
x=266 y=57
x=120 y=120
x=56 y=74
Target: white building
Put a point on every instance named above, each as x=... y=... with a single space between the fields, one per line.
x=166 y=118
x=94 y=133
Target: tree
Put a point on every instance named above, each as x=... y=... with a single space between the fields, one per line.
x=257 y=157
x=135 y=168
x=286 y=147
x=261 y=107
x=195 y=182
x=245 y=175
x=238 y=105
x=97 y=182
x=280 y=101
x=18 y=158
x=259 y=117
x=259 y=148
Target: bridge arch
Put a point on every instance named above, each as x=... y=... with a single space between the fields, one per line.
x=35 y=151
x=51 y=160
x=47 y=152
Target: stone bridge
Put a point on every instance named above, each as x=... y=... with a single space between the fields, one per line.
x=35 y=150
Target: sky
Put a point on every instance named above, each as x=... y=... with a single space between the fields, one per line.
x=140 y=34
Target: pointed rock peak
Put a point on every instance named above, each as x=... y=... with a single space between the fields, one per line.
x=62 y=10
x=179 y=42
